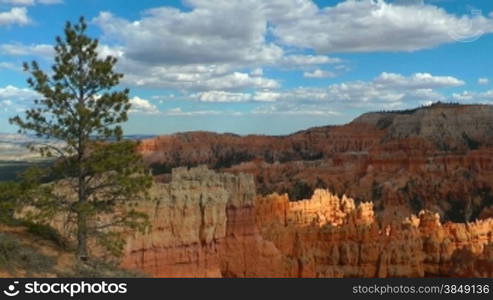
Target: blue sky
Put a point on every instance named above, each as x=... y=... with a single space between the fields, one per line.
x=253 y=66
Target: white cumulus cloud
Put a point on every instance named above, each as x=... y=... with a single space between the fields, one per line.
x=140 y=105
x=373 y=25
x=15 y=16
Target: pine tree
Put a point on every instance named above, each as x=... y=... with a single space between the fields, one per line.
x=80 y=109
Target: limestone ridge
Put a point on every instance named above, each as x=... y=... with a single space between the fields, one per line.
x=208 y=224
x=449 y=126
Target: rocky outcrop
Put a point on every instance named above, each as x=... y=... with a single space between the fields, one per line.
x=207 y=224
x=341 y=239
x=203 y=225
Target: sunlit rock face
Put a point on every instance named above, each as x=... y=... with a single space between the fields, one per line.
x=437 y=158
x=208 y=224
x=340 y=239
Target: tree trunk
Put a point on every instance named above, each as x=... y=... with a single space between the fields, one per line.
x=82 y=253
x=81 y=236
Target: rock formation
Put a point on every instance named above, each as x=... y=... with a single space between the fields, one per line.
x=438 y=158
x=411 y=195
x=208 y=224
x=203 y=225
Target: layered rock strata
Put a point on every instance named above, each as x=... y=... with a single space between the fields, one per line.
x=207 y=224
x=203 y=225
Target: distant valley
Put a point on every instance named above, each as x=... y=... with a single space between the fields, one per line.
x=15 y=156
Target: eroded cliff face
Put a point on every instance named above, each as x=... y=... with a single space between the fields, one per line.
x=438 y=158
x=207 y=224
x=203 y=225
x=328 y=236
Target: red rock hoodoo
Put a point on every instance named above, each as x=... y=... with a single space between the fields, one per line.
x=208 y=224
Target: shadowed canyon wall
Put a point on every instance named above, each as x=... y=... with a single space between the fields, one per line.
x=208 y=224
